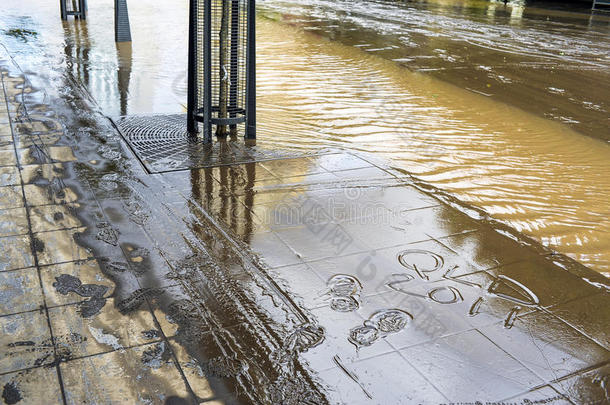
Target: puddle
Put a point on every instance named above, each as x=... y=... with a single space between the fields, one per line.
x=379 y=325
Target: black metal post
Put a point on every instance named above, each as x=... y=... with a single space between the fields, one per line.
x=251 y=73
x=82 y=7
x=207 y=72
x=62 y=9
x=191 y=123
x=122 y=31
x=234 y=64
x=213 y=101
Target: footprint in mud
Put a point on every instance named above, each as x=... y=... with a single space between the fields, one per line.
x=108 y=152
x=66 y=284
x=379 y=325
x=107 y=233
x=58 y=347
x=11 y=393
x=109 y=182
x=137 y=212
x=344 y=291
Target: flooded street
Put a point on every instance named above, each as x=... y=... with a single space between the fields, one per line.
x=498 y=106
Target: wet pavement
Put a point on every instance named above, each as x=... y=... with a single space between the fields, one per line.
x=257 y=278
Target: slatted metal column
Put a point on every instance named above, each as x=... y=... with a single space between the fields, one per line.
x=76 y=8
x=122 y=31
x=221 y=68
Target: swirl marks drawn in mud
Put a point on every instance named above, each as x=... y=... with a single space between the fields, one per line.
x=344 y=304
x=513 y=288
x=379 y=325
x=501 y=287
x=344 y=285
x=345 y=292
x=301 y=339
x=437 y=296
x=408 y=259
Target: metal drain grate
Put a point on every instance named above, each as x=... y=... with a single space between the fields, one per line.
x=162 y=145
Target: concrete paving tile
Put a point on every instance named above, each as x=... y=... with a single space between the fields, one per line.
x=13 y=221
x=34 y=386
x=542 y=395
x=7 y=158
x=11 y=197
x=173 y=308
x=371 y=269
x=588 y=387
x=289 y=209
x=48 y=172
x=42 y=140
x=60 y=154
x=224 y=361
x=36 y=126
x=194 y=373
x=148 y=265
x=546 y=345
x=387 y=233
x=430 y=320
x=376 y=385
x=550 y=285
x=6 y=143
x=59 y=247
x=375 y=268
x=317 y=241
x=323 y=179
x=25 y=341
x=20 y=291
x=301 y=281
x=487 y=248
x=469 y=367
x=16 y=252
x=337 y=327
x=273 y=250
x=54 y=217
x=104 y=331
x=146 y=374
x=589 y=315
x=437 y=221
x=236 y=177
x=340 y=161
x=5 y=127
x=48 y=194
x=366 y=173
x=88 y=272
x=598 y=280
x=292 y=167
x=9 y=176
x=27 y=156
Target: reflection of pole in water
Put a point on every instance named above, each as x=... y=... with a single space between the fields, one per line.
x=221 y=196
x=124 y=73
x=77 y=50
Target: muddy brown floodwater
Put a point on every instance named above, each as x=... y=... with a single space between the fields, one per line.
x=504 y=107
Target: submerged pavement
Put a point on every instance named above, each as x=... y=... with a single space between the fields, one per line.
x=257 y=277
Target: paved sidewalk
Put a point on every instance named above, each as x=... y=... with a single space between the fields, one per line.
x=312 y=279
